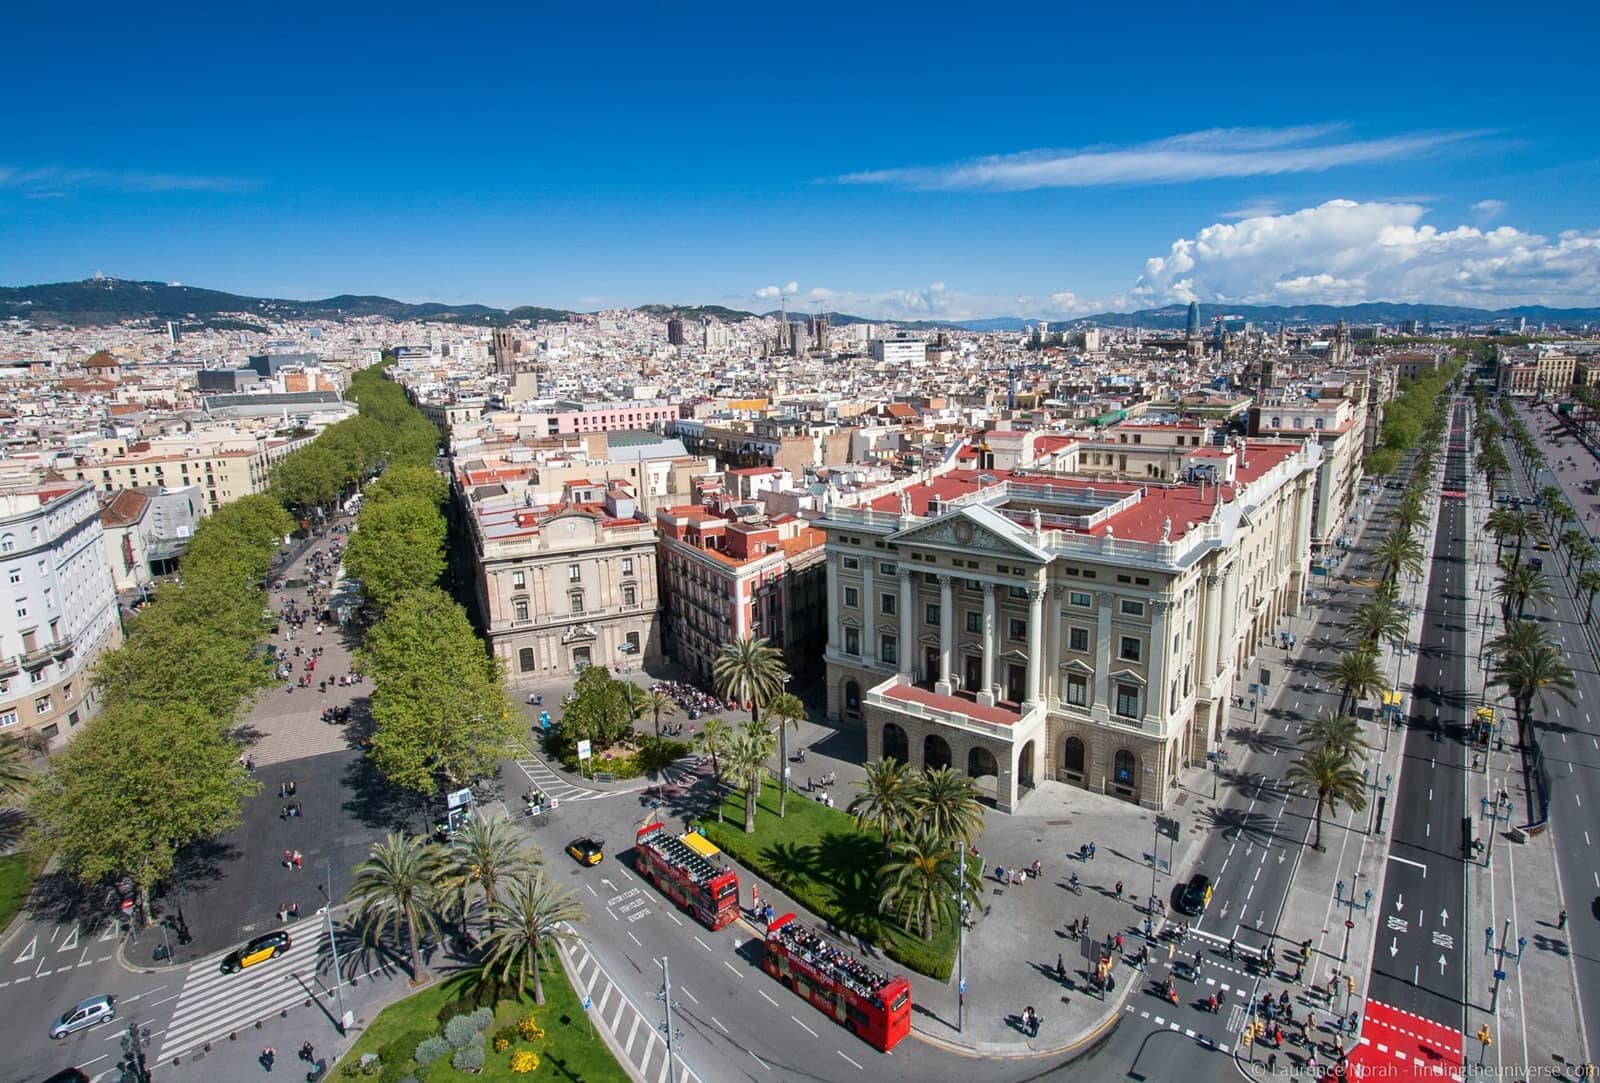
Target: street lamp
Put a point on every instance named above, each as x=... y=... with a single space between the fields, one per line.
x=1494 y=809
x=1218 y=758
x=134 y=1045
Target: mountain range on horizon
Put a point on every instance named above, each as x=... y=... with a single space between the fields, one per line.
x=101 y=301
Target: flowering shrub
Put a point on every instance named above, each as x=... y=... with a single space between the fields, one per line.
x=524 y=1061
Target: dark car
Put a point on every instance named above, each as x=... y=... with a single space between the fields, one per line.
x=258 y=950
x=68 y=1075
x=587 y=850
x=1195 y=895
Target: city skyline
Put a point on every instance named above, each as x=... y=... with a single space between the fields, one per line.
x=742 y=161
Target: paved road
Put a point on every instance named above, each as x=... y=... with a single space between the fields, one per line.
x=1571 y=741
x=1424 y=892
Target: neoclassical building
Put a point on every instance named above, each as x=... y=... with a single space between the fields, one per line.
x=1025 y=626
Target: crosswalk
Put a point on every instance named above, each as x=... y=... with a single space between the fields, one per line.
x=213 y=1004
x=552 y=784
x=635 y=1033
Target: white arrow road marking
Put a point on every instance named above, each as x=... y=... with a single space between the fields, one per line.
x=1444 y=916
x=1394 y=947
x=1441 y=963
x=1399 y=902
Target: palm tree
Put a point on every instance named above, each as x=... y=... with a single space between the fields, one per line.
x=887 y=801
x=486 y=853
x=398 y=884
x=946 y=803
x=715 y=736
x=1520 y=525
x=1340 y=732
x=14 y=772
x=1358 y=676
x=1399 y=551
x=785 y=711
x=1409 y=515
x=1518 y=587
x=748 y=753
x=534 y=913
x=1580 y=553
x=922 y=881
x=1589 y=582
x=749 y=670
x=1527 y=675
x=655 y=704
x=1380 y=620
x=1329 y=774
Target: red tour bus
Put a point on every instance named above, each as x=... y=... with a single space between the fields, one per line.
x=873 y=1006
x=690 y=872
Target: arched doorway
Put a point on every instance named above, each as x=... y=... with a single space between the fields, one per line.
x=1125 y=774
x=895 y=743
x=1073 y=758
x=935 y=752
x=852 y=700
x=1025 y=766
x=981 y=762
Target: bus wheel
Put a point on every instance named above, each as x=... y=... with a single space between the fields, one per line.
x=850 y=1025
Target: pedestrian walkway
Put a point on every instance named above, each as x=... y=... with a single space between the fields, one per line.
x=553 y=783
x=213 y=1005
x=634 y=1036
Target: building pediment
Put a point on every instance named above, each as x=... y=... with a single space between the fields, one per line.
x=970 y=530
x=1077 y=665
x=1128 y=675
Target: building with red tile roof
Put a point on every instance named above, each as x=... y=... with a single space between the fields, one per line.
x=1020 y=625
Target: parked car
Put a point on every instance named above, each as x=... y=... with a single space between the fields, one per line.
x=257 y=950
x=85 y=1014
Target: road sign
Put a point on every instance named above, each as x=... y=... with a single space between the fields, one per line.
x=588 y=1002
x=1348 y=924
x=1499 y=975
x=459 y=798
x=1168 y=827
x=583 y=750
x=963 y=988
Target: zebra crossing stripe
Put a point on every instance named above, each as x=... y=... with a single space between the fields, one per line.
x=212 y=1003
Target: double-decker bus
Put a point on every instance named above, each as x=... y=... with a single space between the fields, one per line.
x=688 y=870
x=872 y=1005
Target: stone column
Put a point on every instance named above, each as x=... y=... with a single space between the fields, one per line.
x=1230 y=615
x=869 y=611
x=1155 y=700
x=1100 y=708
x=947 y=632
x=1052 y=689
x=1211 y=636
x=831 y=585
x=1035 y=642
x=986 y=693
x=908 y=605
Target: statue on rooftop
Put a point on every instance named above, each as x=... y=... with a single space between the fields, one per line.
x=1166 y=529
x=905 y=503
x=1038 y=522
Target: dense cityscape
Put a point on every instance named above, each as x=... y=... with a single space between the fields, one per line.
x=694 y=546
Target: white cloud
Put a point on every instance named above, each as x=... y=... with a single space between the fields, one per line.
x=1256 y=208
x=54 y=181
x=1488 y=210
x=1345 y=252
x=768 y=293
x=791 y=289
x=1203 y=155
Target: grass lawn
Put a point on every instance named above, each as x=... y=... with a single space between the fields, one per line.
x=568 y=1051
x=17 y=874
x=818 y=856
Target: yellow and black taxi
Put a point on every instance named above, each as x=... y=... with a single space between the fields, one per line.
x=257 y=950
x=1196 y=894
x=587 y=850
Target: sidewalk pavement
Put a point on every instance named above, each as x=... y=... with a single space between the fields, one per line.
x=1513 y=893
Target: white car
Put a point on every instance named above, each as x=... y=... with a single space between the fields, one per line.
x=87 y=1013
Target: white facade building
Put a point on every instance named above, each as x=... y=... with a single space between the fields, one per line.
x=60 y=608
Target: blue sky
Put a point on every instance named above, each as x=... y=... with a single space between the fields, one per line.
x=895 y=161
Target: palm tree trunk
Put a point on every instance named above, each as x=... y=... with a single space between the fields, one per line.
x=783 y=765
x=1318 y=844
x=749 y=810
x=538 y=981
x=418 y=975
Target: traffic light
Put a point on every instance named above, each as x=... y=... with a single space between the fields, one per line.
x=1484 y=1036
x=1350 y=985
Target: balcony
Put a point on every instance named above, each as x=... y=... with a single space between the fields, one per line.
x=959 y=711
x=36 y=658
x=62 y=650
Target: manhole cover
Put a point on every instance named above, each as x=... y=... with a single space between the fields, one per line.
x=1182 y=797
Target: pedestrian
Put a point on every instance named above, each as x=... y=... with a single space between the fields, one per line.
x=294 y=911
x=307 y=1052
x=1091 y=851
x=1117 y=944
x=288 y=859
x=1119 y=890
x=283 y=913
x=1061 y=968
x=755 y=898
x=297 y=859
x=268 y=1055
x=291 y=787
x=769 y=915
x=1561 y=919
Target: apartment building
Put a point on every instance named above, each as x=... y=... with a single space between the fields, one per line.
x=1026 y=626
x=558 y=587
x=724 y=580
x=223 y=465
x=1339 y=423
x=60 y=610
x=1536 y=371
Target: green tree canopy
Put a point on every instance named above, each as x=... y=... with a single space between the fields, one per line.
x=139 y=783
x=398 y=545
x=438 y=701
x=409 y=480
x=602 y=709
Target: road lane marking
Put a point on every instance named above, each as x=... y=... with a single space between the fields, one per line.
x=688 y=994
x=759 y=1061
x=731 y=969
x=766 y=998
x=702 y=943
x=858 y=1067
x=805 y=1028
x=635 y=940
x=718 y=1022
x=674 y=918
